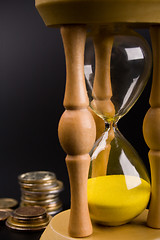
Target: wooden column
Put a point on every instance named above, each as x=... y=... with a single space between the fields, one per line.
x=102 y=89
x=77 y=129
x=151 y=131
x=100 y=124
x=102 y=93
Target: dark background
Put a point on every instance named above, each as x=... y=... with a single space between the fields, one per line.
x=32 y=82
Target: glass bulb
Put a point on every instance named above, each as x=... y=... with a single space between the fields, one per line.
x=117 y=67
x=130 y=67
x=118 y=184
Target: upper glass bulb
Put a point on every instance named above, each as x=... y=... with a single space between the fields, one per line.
x=117 y=66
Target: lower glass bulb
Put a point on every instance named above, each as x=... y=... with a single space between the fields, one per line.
x=118 y=184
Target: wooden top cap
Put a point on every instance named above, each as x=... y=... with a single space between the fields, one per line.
x=137 y=12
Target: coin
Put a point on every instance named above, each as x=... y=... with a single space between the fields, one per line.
x=30 y=211
x=52 y=213
x=37 y=197
x=39 y=185
x=40 y=202
x=26 y=227
x=52 y=203
x=28 y=218
x=27 y=224
x=4 y=214
x=40 y=188
x=29 y=221
x=52 y=190
x=8 y=203
x=37 y=176
x=23 y=220
x=53 y=207
x=14 y=227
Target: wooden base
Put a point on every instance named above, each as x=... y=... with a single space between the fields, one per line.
x=137 y=229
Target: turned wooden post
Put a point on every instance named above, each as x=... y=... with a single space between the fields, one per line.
x=100 y=124
x=77 y=129
x=102 y=89
x=151 y=131
x=102 y=93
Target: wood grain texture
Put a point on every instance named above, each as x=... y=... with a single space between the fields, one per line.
x=100 y=124
x=102 y=89
x=151 y=131
x=77 y=130
x=57 y=12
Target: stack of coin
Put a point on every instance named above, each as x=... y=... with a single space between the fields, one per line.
x=41 y=188
x=28 y=218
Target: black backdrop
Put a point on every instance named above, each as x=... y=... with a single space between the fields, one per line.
x=32 y=82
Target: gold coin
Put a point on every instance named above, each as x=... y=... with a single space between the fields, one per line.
x=47 y=208
x=53 y=207
x=14 y=227
x=39 y=185
x=11 y=221
x=38 y=197
x=40 y=202
x=8 y=203
x=52 y=190
x=4 y=214
x=30 y=211
x=29 y=219
x=20 y=226
x=37 y=176
x=52 y=213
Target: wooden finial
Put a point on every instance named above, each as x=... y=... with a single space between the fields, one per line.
x=77 y=129
x=151 y=131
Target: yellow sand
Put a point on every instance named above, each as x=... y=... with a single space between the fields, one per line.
x=116 y=199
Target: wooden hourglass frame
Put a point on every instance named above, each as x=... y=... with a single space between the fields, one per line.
x=77 y=130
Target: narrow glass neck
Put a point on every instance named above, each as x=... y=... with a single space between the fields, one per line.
x=111 y=124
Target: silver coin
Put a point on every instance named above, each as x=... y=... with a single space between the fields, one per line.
x=53 y=213
x=52 y=190
x=47 y=207
x=53 y=207
x=40 y=202
x=37 y=176
x=41 y=185
x=38 y=197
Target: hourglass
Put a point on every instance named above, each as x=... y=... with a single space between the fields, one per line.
x=116 y=73
x=113 y=89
